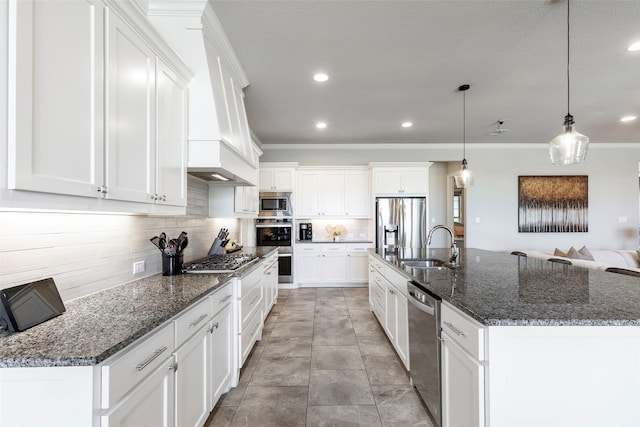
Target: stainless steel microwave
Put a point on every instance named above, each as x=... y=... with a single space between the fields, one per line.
x=275 y=204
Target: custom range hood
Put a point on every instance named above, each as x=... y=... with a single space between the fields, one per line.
x=220 y=146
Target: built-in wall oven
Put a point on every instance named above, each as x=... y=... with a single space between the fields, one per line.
x=277 y=232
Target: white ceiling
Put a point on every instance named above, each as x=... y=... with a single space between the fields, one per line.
x=393 y=60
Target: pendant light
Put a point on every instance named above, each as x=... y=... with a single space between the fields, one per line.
x=570 y=147
x=464 y=177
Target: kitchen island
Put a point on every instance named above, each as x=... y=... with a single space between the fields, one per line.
x=559 y=345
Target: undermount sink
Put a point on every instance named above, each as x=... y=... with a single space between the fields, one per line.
x=425 y=264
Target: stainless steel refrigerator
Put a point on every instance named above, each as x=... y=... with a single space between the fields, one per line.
x=401 y=222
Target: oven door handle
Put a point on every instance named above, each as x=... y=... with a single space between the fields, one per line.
x=273 y=226
x=285 y=254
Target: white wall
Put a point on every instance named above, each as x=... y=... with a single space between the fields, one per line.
x=613 y=193
x=613 y=187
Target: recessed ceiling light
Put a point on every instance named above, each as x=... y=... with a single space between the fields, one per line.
x=321 y=125
x=320 y=77
x=406 y=124
x=634 y=47
x=628 y=118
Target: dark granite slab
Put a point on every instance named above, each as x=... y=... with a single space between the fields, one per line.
x=97 y=326
x=500 y=289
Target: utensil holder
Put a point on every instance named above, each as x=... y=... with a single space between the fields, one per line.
x=172 y=264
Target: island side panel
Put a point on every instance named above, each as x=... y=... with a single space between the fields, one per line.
x=564 y=376
x=57 y=396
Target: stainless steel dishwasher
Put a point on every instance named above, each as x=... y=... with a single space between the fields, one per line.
x=424 y=347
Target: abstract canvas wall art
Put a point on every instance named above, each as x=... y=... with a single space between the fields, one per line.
x=553 y=204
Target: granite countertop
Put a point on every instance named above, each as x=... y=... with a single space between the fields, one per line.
x=500 y=289
x=97 y=326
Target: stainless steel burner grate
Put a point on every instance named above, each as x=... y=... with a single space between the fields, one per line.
x=220 y=263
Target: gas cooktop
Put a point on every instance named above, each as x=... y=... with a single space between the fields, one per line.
x=220 y=263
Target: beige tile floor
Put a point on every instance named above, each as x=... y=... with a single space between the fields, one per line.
x=323 y=361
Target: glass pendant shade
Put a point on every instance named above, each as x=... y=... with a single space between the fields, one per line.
x=464 y=177
x=570 y=147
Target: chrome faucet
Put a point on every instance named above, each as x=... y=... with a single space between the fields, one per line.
x=453 y=252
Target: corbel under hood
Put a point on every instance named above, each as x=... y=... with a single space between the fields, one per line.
x=217 y=145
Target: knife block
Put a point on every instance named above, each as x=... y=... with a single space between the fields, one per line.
x=217 y=247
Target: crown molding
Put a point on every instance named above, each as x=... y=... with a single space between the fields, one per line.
x=436 y=146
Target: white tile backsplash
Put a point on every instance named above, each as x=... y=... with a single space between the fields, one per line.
x=86 y=253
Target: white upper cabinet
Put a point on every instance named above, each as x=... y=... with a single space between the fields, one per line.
x=332 y=192
x=276 y=178
x=408 y=179
x=100 y=111
x=171 y=136
x=357 y=193
x=56 y=85
x=131 y=99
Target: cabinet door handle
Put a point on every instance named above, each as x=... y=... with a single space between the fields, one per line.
x=457 y=331
x=154 y=356
x=102 y=189
x=213 y=327
x=198 y=320
x=174 y=367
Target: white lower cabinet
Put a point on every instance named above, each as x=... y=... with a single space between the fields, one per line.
x=193 y=361
x=462 y=386
x=220 y=347
x=388 y=299
x=175 y=377
x=357 y=263
x=150 y=403
x=463 y=370
x=320 y=264
x=270 y=283
x=331 y=263
x=377 y=294
x=138 y=383
x=249 y=316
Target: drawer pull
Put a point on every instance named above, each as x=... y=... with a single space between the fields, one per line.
x=154 y=356
x=457 y=331
x=198 y=320
x=226 y=298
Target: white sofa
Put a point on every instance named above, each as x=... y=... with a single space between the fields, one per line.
x=602 y=259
